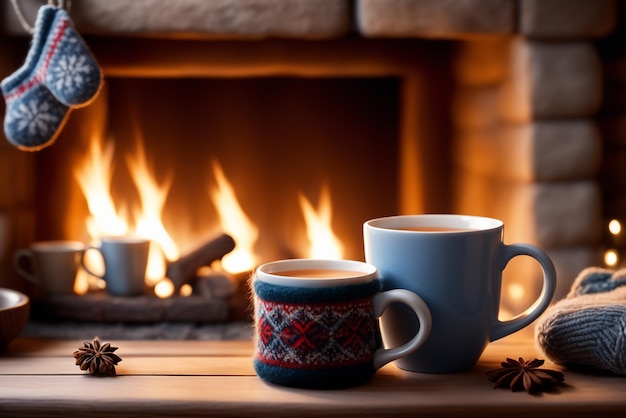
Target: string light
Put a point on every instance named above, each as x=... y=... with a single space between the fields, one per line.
x=615 y=227
x=611 y=258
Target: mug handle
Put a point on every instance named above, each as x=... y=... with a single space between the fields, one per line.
x=23 y=254
x=82 y=261
x=380 y=301
x=502 y=329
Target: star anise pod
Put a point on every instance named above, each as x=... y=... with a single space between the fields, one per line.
x=98 y=358
x=527 y=375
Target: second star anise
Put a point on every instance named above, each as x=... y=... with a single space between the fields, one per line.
x=98 y=358
x=527 y=375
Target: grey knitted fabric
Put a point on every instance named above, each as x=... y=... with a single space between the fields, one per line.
x=588 y=327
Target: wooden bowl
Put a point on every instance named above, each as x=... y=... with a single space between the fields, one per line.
x=14 y=313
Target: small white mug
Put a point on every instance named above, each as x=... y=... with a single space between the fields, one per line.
x=54 y=264
x=125 y=262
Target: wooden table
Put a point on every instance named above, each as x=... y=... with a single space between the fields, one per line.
x=215 y=378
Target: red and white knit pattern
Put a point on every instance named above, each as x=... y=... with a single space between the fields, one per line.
x=313 y=336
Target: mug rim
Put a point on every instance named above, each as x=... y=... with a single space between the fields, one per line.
x=468 y=223
x=57 y=245
x=123 y=239
x=265 y=272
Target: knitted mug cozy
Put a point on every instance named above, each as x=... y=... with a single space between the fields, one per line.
x=59 y=74
x=588 y=327
x=316 y=337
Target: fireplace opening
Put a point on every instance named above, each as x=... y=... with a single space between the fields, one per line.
x=348 y=130
x=276 y=139
x=351 y=130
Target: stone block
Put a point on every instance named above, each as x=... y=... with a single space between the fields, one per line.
x=550 y=215
x=447 y=19
x=538 y=151
x=570 y=213
x=481 y=62
x=223 y=19
x=566 y=19
x=569 y=262
x=565 y=150
x=550 y=80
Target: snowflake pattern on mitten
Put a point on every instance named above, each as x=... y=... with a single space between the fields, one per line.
x=34 y=121
x=71 y=72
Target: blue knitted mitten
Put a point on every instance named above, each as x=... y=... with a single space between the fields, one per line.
x=588 y=327
x=59 y=74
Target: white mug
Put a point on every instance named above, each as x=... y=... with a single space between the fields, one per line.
x=54 y=264
x=125 y=262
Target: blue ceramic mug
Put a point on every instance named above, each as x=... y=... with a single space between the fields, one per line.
x=455 y=263
x=317 y=322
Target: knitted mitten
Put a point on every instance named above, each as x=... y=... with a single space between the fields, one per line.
x=588 y=327
x=59 y=74
x=69 y=70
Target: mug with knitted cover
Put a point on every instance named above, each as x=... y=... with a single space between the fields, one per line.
x=317 y=322
x=588 y=327
x=59 y=74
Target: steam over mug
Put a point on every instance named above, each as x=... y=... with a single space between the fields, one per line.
x=54 y=264
x=317 y=322
x=455 y=264
x=125 y=262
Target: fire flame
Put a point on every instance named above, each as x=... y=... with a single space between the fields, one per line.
x=324 y=242
x=149 y=223
x=94 y=178
x=235 y=223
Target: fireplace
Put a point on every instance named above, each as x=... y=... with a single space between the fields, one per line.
x=467 y=111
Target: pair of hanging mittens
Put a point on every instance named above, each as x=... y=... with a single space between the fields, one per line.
x=59 y=74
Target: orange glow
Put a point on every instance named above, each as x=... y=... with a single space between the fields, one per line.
x=148 y=221
x=611 y=258
x=164 y=288
x=235 y=223
x=615 y=227
x=94 y=178
x=516 y=291
x=324 y=242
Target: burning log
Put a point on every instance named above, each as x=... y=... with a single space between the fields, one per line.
x=214 y=285
x=184 y=269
